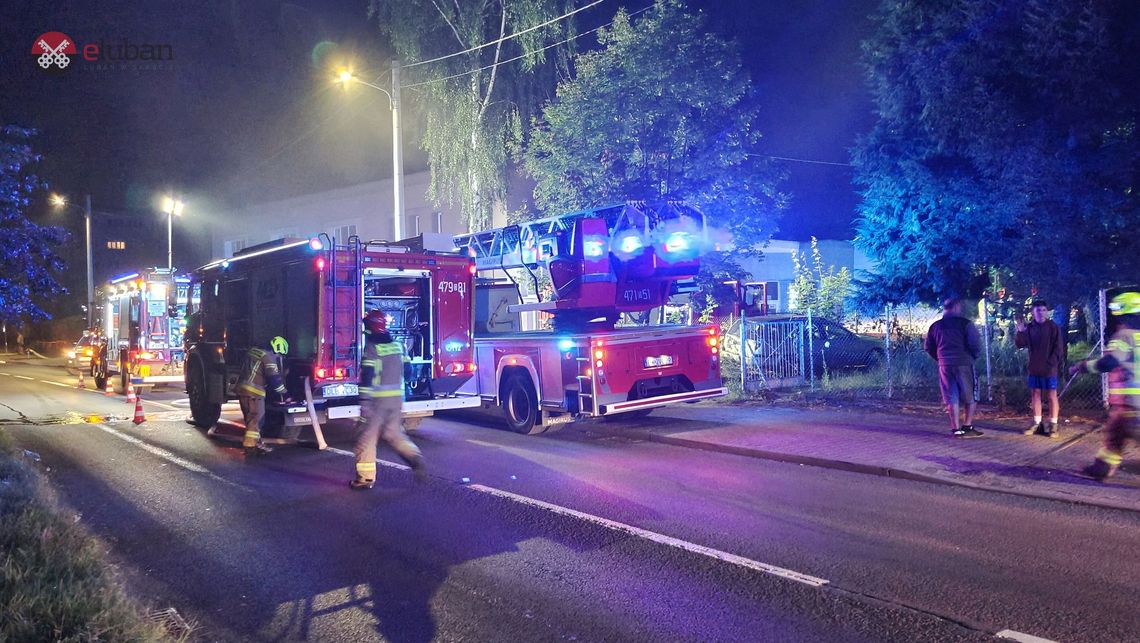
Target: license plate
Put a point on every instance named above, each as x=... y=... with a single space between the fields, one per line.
x=339 y=390
x=658 y=361
x=337 y=412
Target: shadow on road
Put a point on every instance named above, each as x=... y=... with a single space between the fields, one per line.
x=290 y=552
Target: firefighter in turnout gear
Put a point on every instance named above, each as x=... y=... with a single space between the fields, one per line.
x=1121 y=361
x=260 y=369
x=381 y=403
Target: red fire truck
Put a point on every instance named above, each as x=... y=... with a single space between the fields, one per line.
x=599 y=263
x=314 y=293
x=142 y=324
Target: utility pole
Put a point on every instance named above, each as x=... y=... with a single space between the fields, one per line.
x=397 y=157
x=90 y=277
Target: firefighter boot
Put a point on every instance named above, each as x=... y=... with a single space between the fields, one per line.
x=1099 y=470
x=258 y=449
x=419 y=470
x=365 y=476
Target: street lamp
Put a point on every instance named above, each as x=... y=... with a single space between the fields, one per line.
x=60 y=201
x=173 y=208
x=344 y=77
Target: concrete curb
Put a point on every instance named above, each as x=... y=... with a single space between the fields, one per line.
x=856 y=467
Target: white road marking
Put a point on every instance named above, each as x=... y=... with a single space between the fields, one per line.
x=56 y=383
x=658 y=538
x=164 y=454
x=25 y=377
x=630 y=529
x=6 y=374
x=383 y=463
x=1014 y=635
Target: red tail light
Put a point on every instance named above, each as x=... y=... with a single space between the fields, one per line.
x=321 y=373
x=341 y=373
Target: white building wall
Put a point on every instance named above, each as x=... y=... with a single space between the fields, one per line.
x=364 y=210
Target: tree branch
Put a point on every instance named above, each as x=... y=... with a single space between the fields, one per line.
x=498 y=55
x=443 y=14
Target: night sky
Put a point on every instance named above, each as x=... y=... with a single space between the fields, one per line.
x=243 y=114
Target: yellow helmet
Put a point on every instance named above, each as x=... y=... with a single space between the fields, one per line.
x=1126 y=303
x=279 y=345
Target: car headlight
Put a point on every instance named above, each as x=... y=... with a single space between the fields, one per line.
x=70 y=354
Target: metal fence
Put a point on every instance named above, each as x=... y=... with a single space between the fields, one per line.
x=884 y=356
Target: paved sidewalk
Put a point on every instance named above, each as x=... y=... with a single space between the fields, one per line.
x=907 y=445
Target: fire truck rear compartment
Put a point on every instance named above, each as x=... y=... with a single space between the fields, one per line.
x=406 y=300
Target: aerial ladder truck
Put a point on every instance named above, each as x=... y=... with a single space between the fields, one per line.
x=583 y=270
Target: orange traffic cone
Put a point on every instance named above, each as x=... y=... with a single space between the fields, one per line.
x=108 y=389
x=130 y=392
x=81 y=383
x=139 y=417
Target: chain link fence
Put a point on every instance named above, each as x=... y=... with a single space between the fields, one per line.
x=884 y=356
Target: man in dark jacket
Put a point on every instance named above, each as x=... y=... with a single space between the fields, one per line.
x=955 y=343
x=1046 y=351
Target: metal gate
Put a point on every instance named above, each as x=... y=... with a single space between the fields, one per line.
x=772 y=353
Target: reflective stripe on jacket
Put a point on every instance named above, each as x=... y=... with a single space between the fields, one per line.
x=258 y=368
x=1121 y=361
x=382 y=370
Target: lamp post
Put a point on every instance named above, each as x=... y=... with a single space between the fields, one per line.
x=172 y=207
x=345 y=77
x=60 y=201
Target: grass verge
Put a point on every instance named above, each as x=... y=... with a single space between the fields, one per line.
x=55 y=584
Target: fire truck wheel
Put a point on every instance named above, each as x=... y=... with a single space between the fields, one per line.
x=520 y=405
x=204 y=412
x=100 y=380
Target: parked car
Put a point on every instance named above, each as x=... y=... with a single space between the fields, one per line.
x=839 y=349
x=79 y=356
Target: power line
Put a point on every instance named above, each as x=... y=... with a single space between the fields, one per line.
x=505 y=38
x=520 y=57
x=786 y=158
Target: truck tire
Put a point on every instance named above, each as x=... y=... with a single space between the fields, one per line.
x=520 y=405
x=124 y=374
x=99 y=377
x=204 y=413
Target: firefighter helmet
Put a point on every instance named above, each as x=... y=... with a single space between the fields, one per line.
x=1126 y=303
x=375 y=322
x=279 y=345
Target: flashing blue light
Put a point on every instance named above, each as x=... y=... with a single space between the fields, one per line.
x=630 y=244
x=594 y=247
x=565 y=344
x=678 y=242
x=225 y=264
x=316 y=244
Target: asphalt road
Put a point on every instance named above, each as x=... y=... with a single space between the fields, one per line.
x=571 y=535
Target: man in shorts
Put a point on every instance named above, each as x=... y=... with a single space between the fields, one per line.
x=954 y=342
x=1046 y=352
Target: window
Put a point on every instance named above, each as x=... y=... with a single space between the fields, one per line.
x=116 y=245
x=773 y=290
x=235 y=246
x=344 y=232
